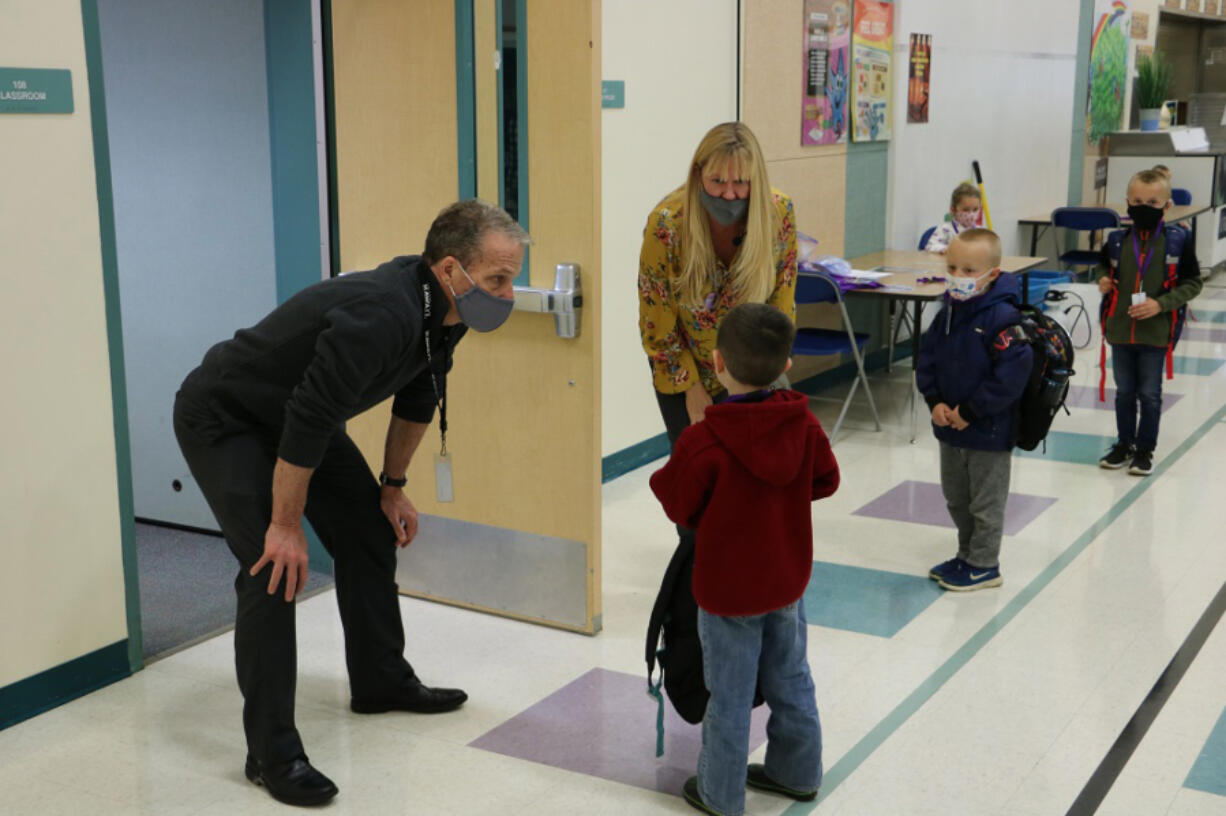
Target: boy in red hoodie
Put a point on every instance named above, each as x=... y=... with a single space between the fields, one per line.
x=743 y=479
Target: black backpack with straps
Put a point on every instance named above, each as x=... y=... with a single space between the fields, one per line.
x=1050 y=372
x=672 y=639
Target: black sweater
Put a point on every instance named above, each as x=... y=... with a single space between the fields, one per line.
x=328 y=353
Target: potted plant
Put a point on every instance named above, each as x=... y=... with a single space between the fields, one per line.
x=1154 y=77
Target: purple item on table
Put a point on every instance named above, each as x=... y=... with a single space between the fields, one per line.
x=931 y=279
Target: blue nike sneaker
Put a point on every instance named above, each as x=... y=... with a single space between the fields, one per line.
x=967 y=578
x=945 y=568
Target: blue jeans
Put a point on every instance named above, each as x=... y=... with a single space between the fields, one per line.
x=1138 y=377
x=739 y=654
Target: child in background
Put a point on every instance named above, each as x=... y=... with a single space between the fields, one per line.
x=964 y=206
x=744 y=479
x=972 y=370
x=1147 y=273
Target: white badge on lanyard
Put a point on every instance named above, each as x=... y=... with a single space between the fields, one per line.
x=444 y=490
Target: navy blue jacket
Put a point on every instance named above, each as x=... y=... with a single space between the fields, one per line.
x=959 y=367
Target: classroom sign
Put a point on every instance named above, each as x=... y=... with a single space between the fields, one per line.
x=1108 y=68
x=872 y=45
x=35 y=90
x=827 y=64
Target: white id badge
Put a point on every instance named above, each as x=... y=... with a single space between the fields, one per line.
x=1138 y=298
x=443 y=489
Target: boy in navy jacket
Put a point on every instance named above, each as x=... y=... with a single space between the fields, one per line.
x=744 y=479
x=972 y=371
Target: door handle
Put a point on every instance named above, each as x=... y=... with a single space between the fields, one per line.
x=563 y=301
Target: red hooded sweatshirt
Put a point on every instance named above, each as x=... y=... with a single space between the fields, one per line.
x=743 y=479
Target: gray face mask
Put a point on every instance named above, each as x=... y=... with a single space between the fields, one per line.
x=725 y=212
x=480 y=310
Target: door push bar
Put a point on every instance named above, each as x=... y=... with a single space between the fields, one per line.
x=563 y=301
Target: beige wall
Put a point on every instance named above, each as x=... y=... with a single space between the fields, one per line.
x=647 y=146
x=814 y=176
x=62 y=584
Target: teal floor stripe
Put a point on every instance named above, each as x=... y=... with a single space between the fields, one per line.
x=873 y=740
x=1065 y=446
x=1208 y=774
x=1199 y=366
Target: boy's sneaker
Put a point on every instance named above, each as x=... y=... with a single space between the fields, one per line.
x=969 y=578
x=694 y=798
x=757 y=778
x=945 y=568
x=1117 y=457
x=1142 y=463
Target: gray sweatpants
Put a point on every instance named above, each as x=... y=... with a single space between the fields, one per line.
x=976 y=487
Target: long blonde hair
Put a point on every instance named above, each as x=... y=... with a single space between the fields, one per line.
x=727 y=148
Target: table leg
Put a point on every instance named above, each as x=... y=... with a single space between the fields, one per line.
x=1034 y=239
x=889 y=339
x=915 y=340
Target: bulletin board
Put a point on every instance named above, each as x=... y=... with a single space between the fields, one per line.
x=872 y=52
x=826 y=59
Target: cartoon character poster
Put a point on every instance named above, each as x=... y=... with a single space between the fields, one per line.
x=827 y=62
x=1108 y=68
x=872 y=45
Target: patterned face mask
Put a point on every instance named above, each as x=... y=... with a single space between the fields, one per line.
x=964 y=288
x=966 y=218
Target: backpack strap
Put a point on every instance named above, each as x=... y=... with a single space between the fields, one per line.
x=1111 y=300
x=682 y=556
x=1175 y=238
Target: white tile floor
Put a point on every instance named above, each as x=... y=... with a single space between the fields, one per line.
x=1049 y=668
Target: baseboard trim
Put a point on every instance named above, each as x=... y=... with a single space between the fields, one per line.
x=60 y=684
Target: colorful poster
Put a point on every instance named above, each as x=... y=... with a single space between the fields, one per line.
x=872 y=44
x=1108 y=68
x=918 y=78
x=827 y=58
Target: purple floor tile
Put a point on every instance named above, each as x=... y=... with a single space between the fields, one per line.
x=923 y=503
x=1086 y=396
x=1200 y=333
x=604 y=724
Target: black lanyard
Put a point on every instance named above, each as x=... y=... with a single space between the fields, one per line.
x=440 y=395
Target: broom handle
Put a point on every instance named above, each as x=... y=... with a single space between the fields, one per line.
x=983 y=196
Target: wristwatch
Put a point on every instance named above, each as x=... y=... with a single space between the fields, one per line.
x=388 y=481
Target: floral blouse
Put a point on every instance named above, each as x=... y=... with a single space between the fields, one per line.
x=678 y=337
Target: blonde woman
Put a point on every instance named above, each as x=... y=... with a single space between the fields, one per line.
x=724 y=237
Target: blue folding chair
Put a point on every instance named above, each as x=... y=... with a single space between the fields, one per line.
x=818 y=287
x=1180 y=196
x=1081 y=219
x=924 y=238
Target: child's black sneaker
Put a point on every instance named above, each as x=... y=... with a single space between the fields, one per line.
x=1142 y=463
x=756 y=778
x=1117 y=457
x=689 y=792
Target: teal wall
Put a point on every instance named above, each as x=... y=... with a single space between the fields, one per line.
x=295 y=167
x=868 y=179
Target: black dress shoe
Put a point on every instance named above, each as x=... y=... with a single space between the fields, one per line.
x=295 y=782
x=413 y=697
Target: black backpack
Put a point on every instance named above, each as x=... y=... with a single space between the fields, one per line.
x=672 y=638
x=1051 y=369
